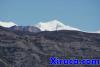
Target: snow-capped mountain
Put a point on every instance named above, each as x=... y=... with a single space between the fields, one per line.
x=42 y=26
x=7 y=24
x=54 y=25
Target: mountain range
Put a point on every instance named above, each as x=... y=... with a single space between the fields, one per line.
x=32 y=46
x=29 y=49
x=42 y=26
x=53 y=25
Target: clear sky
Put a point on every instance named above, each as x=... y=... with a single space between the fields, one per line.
x=82 y=14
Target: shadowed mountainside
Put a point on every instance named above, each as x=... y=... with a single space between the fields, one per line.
x=26 y=28
x=27 y=49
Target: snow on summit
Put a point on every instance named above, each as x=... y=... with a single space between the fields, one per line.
x=54 y=25
x=7 y=24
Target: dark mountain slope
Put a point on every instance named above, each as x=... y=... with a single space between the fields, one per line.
x=27 y=49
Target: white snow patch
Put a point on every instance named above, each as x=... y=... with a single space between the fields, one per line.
x=7 y=24
x=54 y=25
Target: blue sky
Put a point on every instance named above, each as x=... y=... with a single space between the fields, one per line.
x=82 y=14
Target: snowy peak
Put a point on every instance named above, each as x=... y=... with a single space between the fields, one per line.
x=42 y=26
x=7 y=24
x=54 y=25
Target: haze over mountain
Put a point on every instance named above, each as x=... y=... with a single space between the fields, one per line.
x=26 y=28
x=97 y=31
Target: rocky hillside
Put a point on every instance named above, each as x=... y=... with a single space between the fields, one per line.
x=27 y=49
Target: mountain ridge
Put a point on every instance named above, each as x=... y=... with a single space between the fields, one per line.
x=35 y=49
x=53 y=25
x=43 y=26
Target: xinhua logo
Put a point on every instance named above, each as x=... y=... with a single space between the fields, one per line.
x=58 y=61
